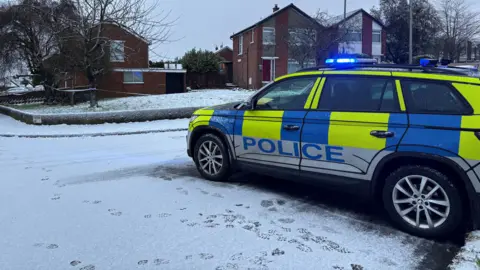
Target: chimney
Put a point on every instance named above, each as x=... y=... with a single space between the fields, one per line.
x=275 y=8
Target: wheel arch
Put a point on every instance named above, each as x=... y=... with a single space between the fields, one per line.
x=443 y=164
x=197 y=132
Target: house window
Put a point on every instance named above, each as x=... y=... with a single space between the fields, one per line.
x=268 y=36
x=240 y=45
x=253 y=36
x=132 y=77
x=117 y=51
x=354 y=36
x=377 y=36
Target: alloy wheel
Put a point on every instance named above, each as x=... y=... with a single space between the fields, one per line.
x=421 y=201
x=210 y=157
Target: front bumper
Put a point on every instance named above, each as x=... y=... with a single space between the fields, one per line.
x=189 y=151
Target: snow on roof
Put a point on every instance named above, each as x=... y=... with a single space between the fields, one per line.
x=340 y=18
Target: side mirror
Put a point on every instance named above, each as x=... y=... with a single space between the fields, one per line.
x=249 y=105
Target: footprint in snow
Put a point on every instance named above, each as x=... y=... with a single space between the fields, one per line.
x=75 y=263
x=52 y=246
x=206 y=256
x=286 y=220
x=49 y=246
x=266 y=203
x=114 y=212
x=142 y=262
x=161 y=261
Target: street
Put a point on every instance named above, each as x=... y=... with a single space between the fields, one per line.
x=137 y=202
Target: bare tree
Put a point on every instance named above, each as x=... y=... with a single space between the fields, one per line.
x=310 y=41
x=86 y=48
x=461 y=24
x=28 y=36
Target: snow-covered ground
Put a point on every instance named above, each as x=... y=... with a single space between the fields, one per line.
x=12 y=127
x=137 y=202
x=198 y=98
x=469 y=256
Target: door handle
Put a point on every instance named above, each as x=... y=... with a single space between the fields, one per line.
x=291 y=127
x=382 y=133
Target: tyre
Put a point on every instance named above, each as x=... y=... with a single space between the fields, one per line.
x=211 y=158
x=423 y=201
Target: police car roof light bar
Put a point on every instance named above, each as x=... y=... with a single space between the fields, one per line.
x=386 y=67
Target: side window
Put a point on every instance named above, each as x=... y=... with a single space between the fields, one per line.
x=290 y=94
x=359 y=94
x=432 y=97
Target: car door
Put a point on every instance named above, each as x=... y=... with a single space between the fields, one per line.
x=442 y=122
x=269 y=134
x=356 y=121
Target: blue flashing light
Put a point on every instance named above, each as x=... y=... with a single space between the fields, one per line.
x=340 y=60
x=425 y=62
x=346 y=60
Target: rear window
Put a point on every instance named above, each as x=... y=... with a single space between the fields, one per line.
x=433 y=97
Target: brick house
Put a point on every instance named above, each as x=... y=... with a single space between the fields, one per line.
x=260 y=53
x=226 y=67
x=130 y=73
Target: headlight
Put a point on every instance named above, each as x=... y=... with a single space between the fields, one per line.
x=193 y=117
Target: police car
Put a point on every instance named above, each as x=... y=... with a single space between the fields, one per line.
x=406 y=136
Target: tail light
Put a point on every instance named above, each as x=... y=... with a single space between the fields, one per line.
x=477 y=133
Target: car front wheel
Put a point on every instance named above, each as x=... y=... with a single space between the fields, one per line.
x=423 y=201
x=211 y=158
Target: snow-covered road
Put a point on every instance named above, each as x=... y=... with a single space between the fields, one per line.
x=136 y=202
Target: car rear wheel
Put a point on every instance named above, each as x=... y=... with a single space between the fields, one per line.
x=423 y=201
x=211 y=158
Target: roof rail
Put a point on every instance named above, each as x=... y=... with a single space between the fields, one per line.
x=386 y=67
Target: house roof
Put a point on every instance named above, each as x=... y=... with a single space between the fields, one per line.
x=126 y=29
x=341 y=18
x=301 y=12
x=335 y=20
x=224 y=48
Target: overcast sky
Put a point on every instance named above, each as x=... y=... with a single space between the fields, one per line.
x=205 y=23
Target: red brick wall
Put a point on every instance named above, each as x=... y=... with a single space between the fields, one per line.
x=281 y=51
x=254 y=58
x=241 y=64
x=226 y=54
x=154 y=83
x=136 y=50
x=367 y=34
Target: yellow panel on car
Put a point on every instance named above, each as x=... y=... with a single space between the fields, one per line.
x=471 y=93
x=469 y=147
x=203 y=118
x=262 y=124
x=347 y=125
x=297 y=74
x=452 y=78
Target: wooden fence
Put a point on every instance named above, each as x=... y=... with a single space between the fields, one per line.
x=206 y=80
